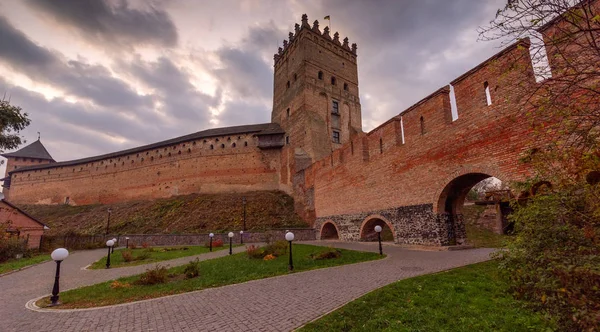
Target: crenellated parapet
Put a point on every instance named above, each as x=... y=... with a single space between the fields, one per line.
x=315 y=30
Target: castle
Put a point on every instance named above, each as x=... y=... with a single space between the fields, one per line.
x=411 y=173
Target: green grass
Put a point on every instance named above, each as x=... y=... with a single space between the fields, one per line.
x=213 y=273
x=483 y=238
x=157 y=254
x=15 y=264
x=471 y=298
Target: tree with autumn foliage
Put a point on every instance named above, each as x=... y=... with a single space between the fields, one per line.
x=554 y=260
x=12 y=121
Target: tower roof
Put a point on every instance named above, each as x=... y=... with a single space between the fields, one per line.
x=35 y=150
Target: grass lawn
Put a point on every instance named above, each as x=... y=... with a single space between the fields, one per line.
x=15 y=264
x=213 y=273
x=483 y=238
x=470 y=298
x=155 y=254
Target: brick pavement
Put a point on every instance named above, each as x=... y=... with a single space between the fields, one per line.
x=274 y=304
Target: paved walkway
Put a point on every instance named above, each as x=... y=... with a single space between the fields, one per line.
x=274 y=304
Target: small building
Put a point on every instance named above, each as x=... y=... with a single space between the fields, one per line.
x=20 y=224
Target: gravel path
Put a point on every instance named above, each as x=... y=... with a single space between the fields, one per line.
x=274 y=304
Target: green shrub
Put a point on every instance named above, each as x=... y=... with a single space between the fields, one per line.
x=143 y=255
x=276 y=249
x=192 y=269
x=157 y=275
x=11 y=247
x=329 y=253
x=254 y=252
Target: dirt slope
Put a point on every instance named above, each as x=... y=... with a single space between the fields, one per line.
x=197 y=213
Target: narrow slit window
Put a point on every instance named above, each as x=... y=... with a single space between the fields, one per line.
x=288 y=84
x=336 y=137
x=488 y=96
x=333 y=80
x=381 y=145
x=288 y=113
x=346 y=86
x=422 y=126
x=320 y=75
x=335 y=107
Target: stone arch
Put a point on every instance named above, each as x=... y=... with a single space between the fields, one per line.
x=368 y=225
x=449 y=202
x=329 y=231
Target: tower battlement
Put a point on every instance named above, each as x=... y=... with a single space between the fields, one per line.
x=334 y=43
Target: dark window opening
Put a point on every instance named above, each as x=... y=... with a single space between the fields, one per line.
x=287 y=140
x=320 y=75
x=381 y=145
x=346 y=86
x=233 y=145
x=189 y=150
x=288 y=84
x=222 y=146
x=245 y=143
x=336 y=136
x=422 y=126
x=288 y=113
x=335 y=107
x=295 y=77
x=179 y=152
x=67 y=200
x=333 y=80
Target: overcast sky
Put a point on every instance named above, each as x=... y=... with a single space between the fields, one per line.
x=98 y=76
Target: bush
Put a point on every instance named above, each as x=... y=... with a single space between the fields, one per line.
x=215 y=243
x=127 y=255
x=153 y=276
x=554 y=260
x=276 y=249
x=145 y=245
x=329 y=253
x=132 y=246
x=11 y=247
x=192 y=269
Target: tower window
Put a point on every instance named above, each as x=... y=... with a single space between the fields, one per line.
x=333 y=81
x=488 y=96
x=336 y=137
x=295 y=77
x=287 y=140
x=288 y=84
x=381 y=145
x=335 y=107
x=346 y=86
x=422 y=126
x=320 y=75
x=288 y=113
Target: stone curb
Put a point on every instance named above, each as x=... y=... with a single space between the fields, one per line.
x=32 y=306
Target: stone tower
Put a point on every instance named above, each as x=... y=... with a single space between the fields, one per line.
x=33 y=154
x=315 y=97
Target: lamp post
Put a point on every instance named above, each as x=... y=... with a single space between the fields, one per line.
x=114 y=240
x=127 y=242
x=378 y=230
x=241 y=237
x=108 y=220
x=244 y=219
x=211 y=236
x=289 y=236
x=58 y=256
x=109 y=244
x=230 y=239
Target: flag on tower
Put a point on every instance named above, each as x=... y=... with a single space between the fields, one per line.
x=327 y=18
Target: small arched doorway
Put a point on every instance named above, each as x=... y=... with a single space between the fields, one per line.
x=367 y=229
x=329 y=232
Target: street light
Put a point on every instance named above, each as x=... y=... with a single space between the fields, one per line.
x=230 y=239
x=58 y=256
x=109 y=244
x=211 y=236
x=378 y=230
x=289 y=236
x=244 y=203
x=241 y=237
x=127 y=242
x=114 y=240
x=108 y=220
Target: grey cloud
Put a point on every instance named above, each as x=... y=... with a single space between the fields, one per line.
x=94 y=82
x=241 y=112
x=245 y=73
x=172 y=84
x=115 y=23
